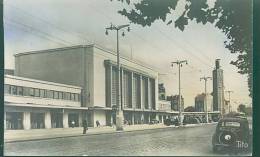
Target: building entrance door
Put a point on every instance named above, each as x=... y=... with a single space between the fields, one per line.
x=73 y=117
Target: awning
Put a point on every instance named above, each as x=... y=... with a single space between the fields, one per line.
x=99 y=108
x=44 y=106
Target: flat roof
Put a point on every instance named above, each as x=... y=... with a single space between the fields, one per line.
x=84 y=46
x=40 y=81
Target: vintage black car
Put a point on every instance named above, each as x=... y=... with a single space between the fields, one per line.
x=172 y=121
x=233 y=134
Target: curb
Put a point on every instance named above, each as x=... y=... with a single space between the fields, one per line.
x=100 y=133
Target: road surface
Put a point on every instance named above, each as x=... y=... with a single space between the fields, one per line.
x=194 y=140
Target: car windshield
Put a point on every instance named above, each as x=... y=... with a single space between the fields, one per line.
x=231 y=124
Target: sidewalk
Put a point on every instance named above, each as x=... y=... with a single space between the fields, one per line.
x=41 y=134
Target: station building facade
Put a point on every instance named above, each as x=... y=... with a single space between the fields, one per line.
x=93 y=69
x=35 y=104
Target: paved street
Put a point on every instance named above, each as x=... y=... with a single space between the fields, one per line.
x=194 y=140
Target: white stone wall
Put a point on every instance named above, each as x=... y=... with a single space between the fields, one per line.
x=100 y=115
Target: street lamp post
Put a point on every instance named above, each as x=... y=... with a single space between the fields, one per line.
x=229 y=107
x=205 y=103
x=119 y=115
x=179 y=63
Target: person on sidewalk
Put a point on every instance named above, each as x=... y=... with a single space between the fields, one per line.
x=97 y=123
x=85 y=126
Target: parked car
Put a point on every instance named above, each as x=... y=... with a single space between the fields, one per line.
x=233 y=134
x=190 y=120
x=154 y=121
x=172 y=121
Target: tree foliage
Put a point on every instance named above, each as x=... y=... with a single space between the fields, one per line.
x=232 y=17
x=242 y=108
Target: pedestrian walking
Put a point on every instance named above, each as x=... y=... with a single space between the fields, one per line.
x=85 y=126
x=97 y=123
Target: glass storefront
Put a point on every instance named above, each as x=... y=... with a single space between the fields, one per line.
x=56 y=120
x=37 y=120
x=73 y=117
x=14 y=120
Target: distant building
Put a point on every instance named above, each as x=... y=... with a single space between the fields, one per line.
x=161 y=91
x=174 y=99
x=200 y=103
x=218 y=88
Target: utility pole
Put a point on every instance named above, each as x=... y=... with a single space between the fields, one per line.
x=205 y=100
x=179 y=63
x=229 y=107
x=119 y=115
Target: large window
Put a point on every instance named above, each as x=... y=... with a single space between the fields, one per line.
x=152 y=93
x=145 y=92
x=13 y=90
x=19 y=90
x=72 y=96
x=42 y=93
x=136 y=92
x=31 y=92
x=127 y=95
x=56 y=95
x=37 y=120
x=113 y=94
x=26 y=91
x=60 y=95
x=66 y=96
x=14 y=120
x=49 y=94
x=37 y=92
x=77 y=98
x=7 y=89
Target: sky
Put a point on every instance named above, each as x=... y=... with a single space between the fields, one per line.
x=44 y=24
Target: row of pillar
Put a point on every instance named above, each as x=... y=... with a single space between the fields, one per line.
x=141 y=88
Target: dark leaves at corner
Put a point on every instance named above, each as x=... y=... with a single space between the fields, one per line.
x=181 y=22
x=127 y=1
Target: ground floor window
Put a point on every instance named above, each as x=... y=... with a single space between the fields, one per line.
x=160 y=118
x=128 y=118
x=37 y=120
x=14 y=120
x=56 y=120
x=137 y=118
x=73 y=119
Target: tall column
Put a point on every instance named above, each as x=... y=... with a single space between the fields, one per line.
x=111 y=84
x=4 y=120
x=47 y=120
x=141 y=92
x=162 y=118
x=133 y=118
x=122 y=89
x=149 y=94
x=132 y=87
x=65 y=119
x=26 y=120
